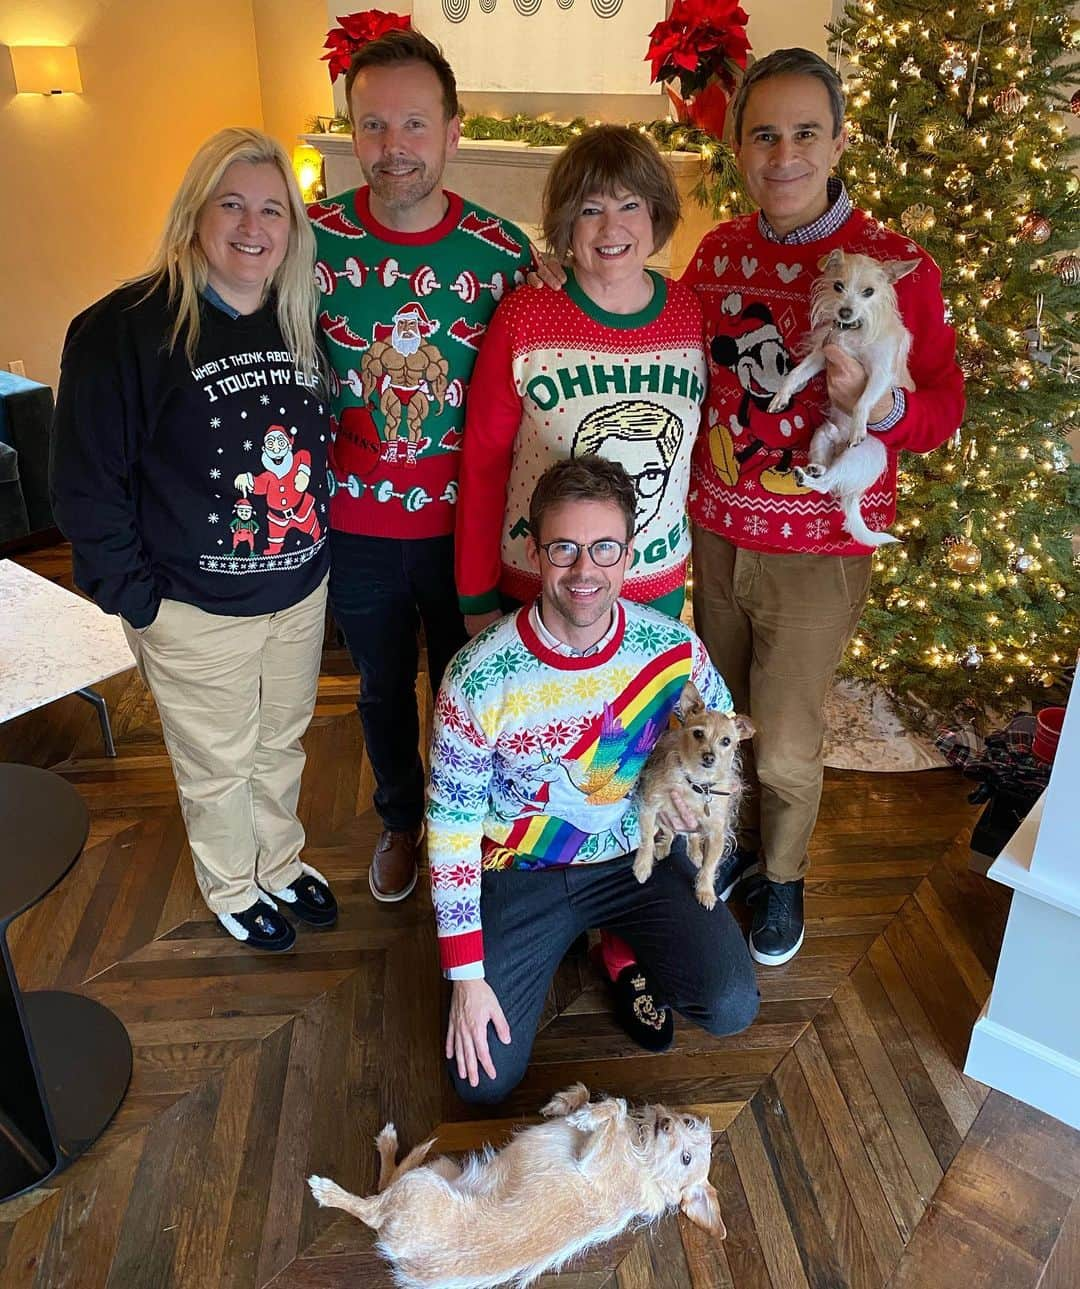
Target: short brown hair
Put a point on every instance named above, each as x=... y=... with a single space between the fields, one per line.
x=404 y=47
x=791 y=62
x=609 y=159
x=584 y=478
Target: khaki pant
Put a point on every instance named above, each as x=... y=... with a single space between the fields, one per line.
x=775 y=627
x=234 y=696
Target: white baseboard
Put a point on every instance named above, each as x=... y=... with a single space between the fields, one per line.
x=1029 y=1071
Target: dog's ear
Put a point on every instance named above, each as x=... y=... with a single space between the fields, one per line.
x=745 y=727
x=702 y=1207
x=831 y=263
x=690 y=700
x=896 y=269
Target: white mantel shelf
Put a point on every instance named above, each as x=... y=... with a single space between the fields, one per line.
x=508 y=178
x=1027 y=1040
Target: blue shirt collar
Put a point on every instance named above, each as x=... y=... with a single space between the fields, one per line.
x=212 y=297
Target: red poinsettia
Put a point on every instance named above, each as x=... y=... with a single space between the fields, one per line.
x=701 y=41
x=358 y=29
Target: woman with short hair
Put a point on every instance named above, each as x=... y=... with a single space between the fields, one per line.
x=189 y=474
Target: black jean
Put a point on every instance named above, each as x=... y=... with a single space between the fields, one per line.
x=381 y=589
x=697 y=959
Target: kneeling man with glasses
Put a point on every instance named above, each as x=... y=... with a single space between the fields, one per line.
x=542 y=725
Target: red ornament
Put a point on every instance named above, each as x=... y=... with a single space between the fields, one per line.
x=1074 y=103
x=357 y=30
x=1036 y=229
x=701 y=40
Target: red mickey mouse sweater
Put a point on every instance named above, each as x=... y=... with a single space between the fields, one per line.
x=755 y=295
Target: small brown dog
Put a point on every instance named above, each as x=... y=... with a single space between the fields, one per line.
x=554 y=1191
x=701 y=761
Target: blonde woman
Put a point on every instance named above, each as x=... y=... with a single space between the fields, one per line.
x=189 y=474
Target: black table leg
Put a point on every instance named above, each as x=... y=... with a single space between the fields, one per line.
x=97 y=701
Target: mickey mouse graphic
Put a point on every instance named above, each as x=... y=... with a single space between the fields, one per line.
x=751 y=346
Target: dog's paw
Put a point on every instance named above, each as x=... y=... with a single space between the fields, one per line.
x=706 y=896
x=566 y=1102
x=642 y=870
x=809 y=471
x=599 y=1113
x=327 y=1194
x=779 y=403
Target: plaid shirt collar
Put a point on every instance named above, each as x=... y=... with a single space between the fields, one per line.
x=824 y=226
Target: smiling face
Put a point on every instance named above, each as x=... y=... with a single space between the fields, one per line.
x=611 y=239
x=403 y=140
x=576 y=602
x=244 y=232
x=787 y=149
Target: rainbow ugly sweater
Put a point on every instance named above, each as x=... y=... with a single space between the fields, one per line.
x=559 y=377
x=402 y=315
x=535 y=754
x=755 y=294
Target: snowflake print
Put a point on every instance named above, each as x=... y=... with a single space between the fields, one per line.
x=728 y=521
x=455 y=914
x=215 y=422
x=454 y=875
x=522 y=743
x=215 y=473
x=212 y=517
x=247 y=445
x=708 y=508
x=264 y=399
x=756 y=526
x=818 y=528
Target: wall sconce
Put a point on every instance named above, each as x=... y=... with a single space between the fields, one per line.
x=307 y=165
x=46 y=69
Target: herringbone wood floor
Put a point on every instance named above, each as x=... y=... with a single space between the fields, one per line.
x=852 y=1151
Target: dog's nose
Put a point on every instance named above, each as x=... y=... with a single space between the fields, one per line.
x=708 y=758
x=845 y=312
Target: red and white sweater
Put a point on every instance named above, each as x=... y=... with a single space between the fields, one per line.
x=755 y=295
x=558 y=377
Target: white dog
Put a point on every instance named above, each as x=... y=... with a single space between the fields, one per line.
x=556 y=1190
x=853 y=306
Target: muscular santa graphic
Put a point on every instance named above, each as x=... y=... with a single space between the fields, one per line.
x=284 y=484
x=408 y=373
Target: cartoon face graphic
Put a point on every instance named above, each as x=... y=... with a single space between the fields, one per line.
x=277 y=447
x=755 y=352
x=644 y=438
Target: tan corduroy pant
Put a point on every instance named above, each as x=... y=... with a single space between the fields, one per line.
x=775 y=627
x=234 y=696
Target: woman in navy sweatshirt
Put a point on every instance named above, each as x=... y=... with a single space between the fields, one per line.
x=189 y=474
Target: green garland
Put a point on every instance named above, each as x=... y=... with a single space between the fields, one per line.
x=719 y=190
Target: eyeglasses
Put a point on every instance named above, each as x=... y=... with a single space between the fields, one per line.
x=605 y=552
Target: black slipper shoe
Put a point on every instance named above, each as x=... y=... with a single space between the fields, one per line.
x=649 y=1022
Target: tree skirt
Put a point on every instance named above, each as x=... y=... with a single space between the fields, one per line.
x=863 y=732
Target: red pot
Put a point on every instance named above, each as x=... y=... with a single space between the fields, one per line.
x=1048 y=725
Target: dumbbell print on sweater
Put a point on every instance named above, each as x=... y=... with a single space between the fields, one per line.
x=412 y=499
x=422 y=281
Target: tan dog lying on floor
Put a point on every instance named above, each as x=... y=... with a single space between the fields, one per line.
x=701 y=761
x=554 y=1191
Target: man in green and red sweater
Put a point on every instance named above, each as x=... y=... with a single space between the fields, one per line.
x=410 y=274
x=779 y=586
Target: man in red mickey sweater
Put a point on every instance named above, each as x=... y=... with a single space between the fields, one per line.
x=779 y=586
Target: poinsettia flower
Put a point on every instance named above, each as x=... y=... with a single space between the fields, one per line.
x=357 y=30
x=700 y=41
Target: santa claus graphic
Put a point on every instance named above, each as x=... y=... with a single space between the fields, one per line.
x=284 y=484
x=408 y=373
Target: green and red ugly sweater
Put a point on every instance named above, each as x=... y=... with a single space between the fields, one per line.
x=402 y=315
x=755 y=294
x=560 y=377
x=535 y=755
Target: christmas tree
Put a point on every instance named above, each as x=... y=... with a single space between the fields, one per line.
x=960 y=138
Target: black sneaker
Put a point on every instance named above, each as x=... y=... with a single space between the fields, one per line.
x=648 y=1021
x=736 y=868
x=309 y=898
x=776 y=934
x=261 y=926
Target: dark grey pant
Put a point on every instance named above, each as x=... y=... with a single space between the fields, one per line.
x=697 y=960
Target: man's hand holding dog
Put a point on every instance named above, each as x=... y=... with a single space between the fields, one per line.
x=678 y=817
x=846 y=379
x=472 y=1005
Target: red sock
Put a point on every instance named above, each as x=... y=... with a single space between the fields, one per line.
x=615 y=954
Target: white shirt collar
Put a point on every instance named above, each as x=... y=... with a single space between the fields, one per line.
x=560 y=647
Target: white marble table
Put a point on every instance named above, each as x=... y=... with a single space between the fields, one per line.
x=54 y=643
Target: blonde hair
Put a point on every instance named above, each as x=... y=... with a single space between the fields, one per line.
x=181 y=262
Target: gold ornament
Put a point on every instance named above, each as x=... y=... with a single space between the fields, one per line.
x=1068 y=270
x=959 y=179
x=992 y=290
x=970 y=659
x=918 y=218
x=909 y=67
x=955 y=66
x=1010 y=101
x=963 y=556
x=1036 y=229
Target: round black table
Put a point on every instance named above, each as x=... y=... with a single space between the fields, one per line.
x=66 y=1059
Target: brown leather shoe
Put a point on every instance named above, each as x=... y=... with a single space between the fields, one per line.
x=392 y=875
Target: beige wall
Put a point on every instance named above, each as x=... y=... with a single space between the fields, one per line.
x=294 y=84
x=87 y=178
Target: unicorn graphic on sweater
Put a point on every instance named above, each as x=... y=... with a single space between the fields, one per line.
x=590 y=792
